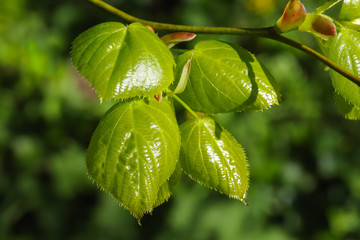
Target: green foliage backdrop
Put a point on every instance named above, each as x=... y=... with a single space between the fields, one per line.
x=303 y=156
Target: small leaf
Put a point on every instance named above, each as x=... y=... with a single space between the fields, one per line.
x=345 y=51
x=133 y=152
x=346 y=108
x=350 y=10
x=225 y=78
x=211 y=156
x=184 y=78
x=123 y=62
x=326 y=6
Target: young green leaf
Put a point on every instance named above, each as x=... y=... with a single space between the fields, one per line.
x=122 y=62
x=350 y=10
x=211 y=156
x=133 y=152
x=345 y=51
x=326 y=6
x=225 y=78
x=184 y=78
x=346 y=108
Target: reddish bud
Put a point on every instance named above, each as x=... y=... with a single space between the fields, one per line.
x=149 y=27
x=293 y=16
x=158 y=97
x=174 y=38
x=320 y=26
x=324 y=27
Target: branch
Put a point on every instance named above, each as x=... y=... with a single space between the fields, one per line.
x=180 y=28
x=322 y=58
x=269 y=33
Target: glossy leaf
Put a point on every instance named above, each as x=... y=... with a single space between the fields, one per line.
x=350 y=10
x=122 y=62
x=346 y=108
x=345 y=51
x=225 y=78
x=133 y=152
x=211 y=156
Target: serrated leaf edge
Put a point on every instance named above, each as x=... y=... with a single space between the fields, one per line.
x=243 y=198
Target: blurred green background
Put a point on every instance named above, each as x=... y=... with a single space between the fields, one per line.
x=304 y=157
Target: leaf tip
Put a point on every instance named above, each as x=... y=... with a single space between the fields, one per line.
x=243 y=199
x=138 y=221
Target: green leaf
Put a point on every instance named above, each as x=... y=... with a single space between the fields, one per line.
x=211 y=156
x=133 y=152
x=166 y=189
x=123 y=62
x=345 y=51
x=350 y=10
x=225 y=78
x=346 y=108
x=326 y=6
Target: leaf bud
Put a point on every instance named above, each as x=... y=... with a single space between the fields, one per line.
x=293 y=16
x=319 y=26
x=184 y=78
x=158 y=97
x=174 y=38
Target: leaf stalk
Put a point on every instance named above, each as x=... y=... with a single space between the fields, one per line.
x=185 y=106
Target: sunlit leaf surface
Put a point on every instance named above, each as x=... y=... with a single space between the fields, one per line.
x=211 y=156
x=122 y=62
x=226 y=78
x=350 y=10
x=134 y=151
